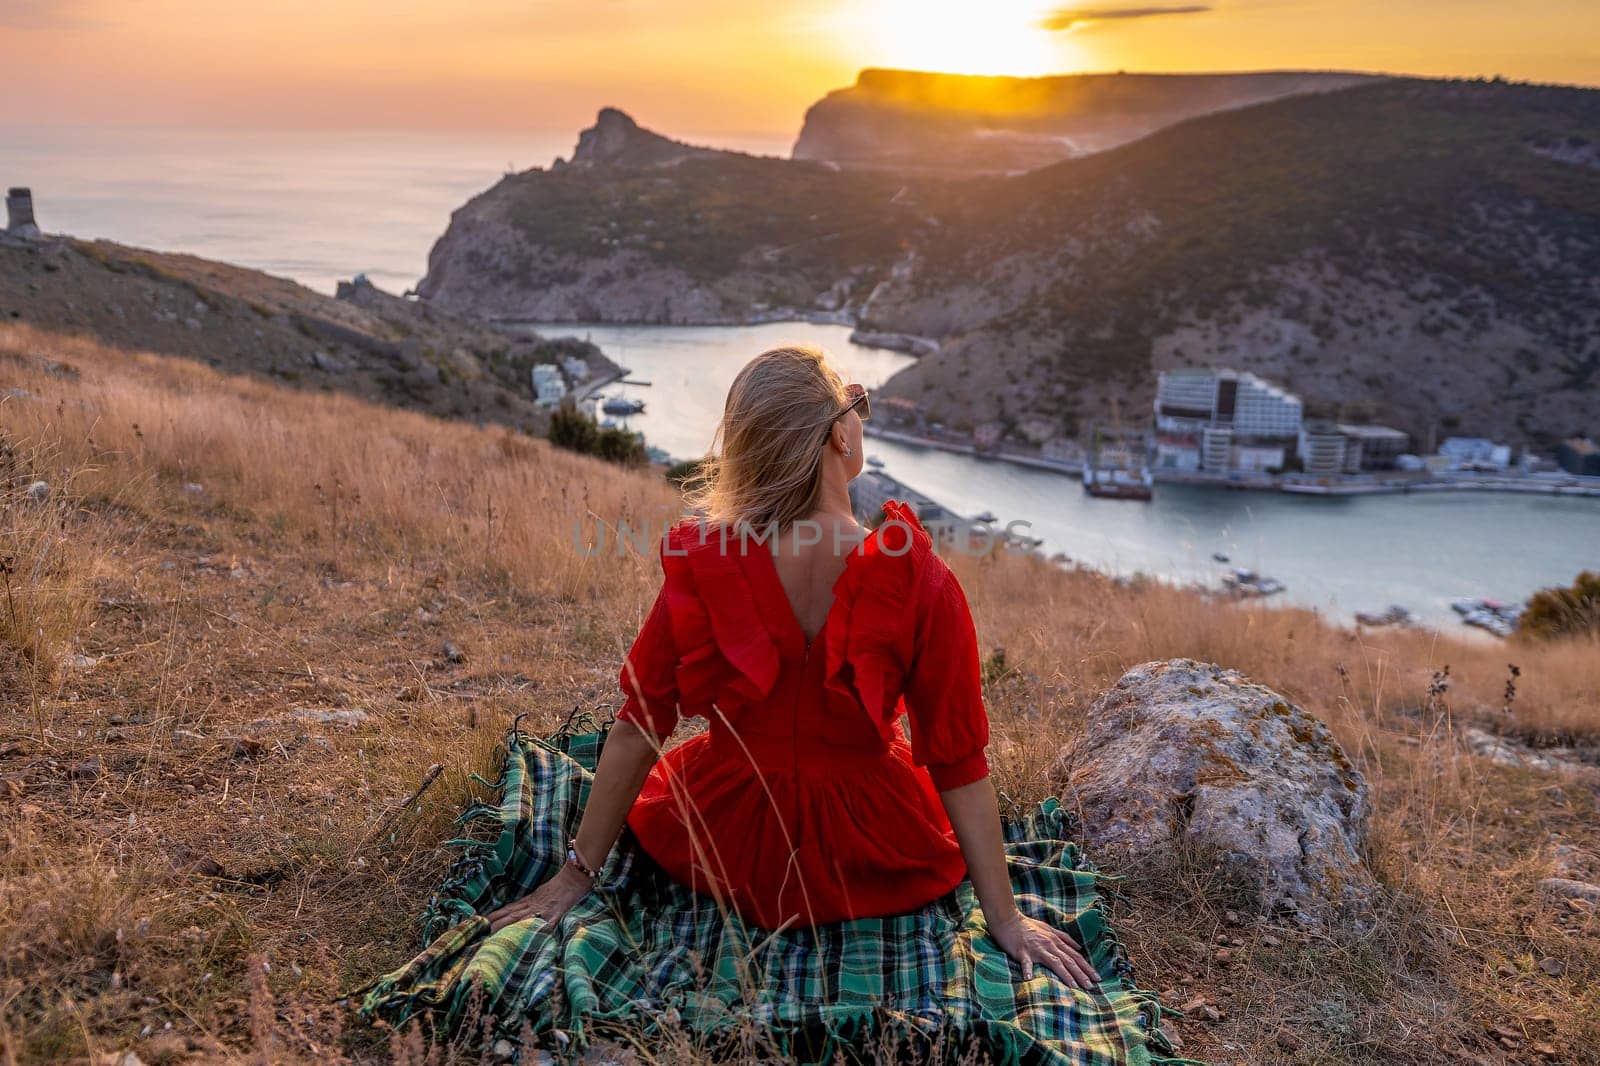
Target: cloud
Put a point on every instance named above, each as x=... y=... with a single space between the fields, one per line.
x=1067 y=18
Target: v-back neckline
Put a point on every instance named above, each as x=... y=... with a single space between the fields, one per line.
x=782 y=594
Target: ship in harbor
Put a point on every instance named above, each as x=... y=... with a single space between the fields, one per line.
x=1117 y=466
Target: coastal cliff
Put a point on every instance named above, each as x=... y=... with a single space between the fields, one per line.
x=917 y=121
x=1419 y=252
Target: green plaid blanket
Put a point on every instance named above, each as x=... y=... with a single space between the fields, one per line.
x=645 y=959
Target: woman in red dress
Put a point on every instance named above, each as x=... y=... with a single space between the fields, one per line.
x=802 y=639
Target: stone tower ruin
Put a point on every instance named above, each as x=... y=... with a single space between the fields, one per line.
x=19 y=213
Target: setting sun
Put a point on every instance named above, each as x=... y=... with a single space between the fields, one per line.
x=1001 y=37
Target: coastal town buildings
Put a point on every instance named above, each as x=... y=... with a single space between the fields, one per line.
x=548 y=386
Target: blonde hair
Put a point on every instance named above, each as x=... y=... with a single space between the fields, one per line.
x=766 y=462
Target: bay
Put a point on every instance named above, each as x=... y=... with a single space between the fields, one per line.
x=1336 y=554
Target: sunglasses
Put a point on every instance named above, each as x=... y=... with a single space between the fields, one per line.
x=857 y=396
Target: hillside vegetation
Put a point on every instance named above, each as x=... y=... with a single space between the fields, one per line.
x=243 y=622
x=366 y=342
x=1425 y=253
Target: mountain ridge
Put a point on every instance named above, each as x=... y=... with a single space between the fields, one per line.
x=1420 y=251
x=964 y=125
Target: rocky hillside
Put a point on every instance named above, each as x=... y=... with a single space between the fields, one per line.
x=915 y=121
x=1423 y=252
x=365 y=342
x=640 y=228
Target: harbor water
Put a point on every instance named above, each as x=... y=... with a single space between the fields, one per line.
x=1336 y=554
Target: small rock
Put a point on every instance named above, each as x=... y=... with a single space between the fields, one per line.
x=453 y=654
x=347 y=717
x=503 y=1050
x=1270 y=941
x=120 y=1058
x=39 y=491
x=1173 y=1036
x=1506 y=970
x=1232 y=917
x=193 y=488
x=203 y=866
x=115 y=735
x=192 y=323
x=188 y=736
x=1553 y=967
x=165 y=1049
x=168 y=566
x=1210 y=1013
x=247 y=748
x=1566 y=888
x=87 y=770
x=1287 y=1041
x=1193 y=1005
x=1224 y=956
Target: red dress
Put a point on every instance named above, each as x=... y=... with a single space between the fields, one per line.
x=804 y=802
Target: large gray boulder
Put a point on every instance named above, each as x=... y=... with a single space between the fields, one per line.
x=1183 y=758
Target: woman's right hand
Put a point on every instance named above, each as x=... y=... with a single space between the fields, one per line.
x=549 y=901
x=1030 y=941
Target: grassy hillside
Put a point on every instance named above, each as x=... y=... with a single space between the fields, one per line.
x=242 y=623
x=366 y=343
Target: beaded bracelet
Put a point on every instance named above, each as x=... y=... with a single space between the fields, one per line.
x=576 y=860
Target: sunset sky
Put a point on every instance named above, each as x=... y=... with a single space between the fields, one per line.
x=701 y=66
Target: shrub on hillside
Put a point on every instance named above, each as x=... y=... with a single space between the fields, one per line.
x=1556 y=611
x=683 y=472
x=577 y=431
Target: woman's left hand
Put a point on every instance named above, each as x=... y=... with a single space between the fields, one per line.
x=549 y=901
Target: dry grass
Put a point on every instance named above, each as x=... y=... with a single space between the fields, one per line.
x=184 y=847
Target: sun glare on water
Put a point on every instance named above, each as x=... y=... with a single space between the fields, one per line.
x=965 y=37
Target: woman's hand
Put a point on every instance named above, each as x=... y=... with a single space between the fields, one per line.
x=1029 y=940
x=549 y=901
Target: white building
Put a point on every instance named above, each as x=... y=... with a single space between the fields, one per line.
x=1326 y=449
x=1192 y=398
x=1381 y=446
x=1221 y=419
x=548 y=388
x=576 y=369
x=1475 y=453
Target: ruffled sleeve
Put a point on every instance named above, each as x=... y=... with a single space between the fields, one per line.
x=647 y=679
x=944 y=687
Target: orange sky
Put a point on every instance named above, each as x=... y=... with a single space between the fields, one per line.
x=696 y=66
